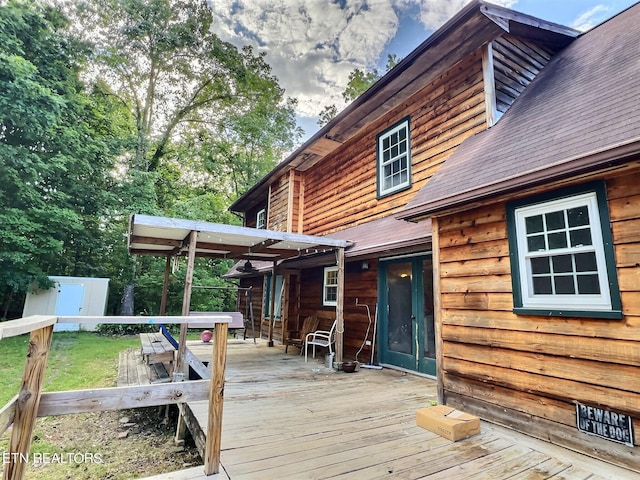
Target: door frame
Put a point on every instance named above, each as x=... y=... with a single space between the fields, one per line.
x=417 y=362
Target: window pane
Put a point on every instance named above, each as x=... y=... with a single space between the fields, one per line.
x=542 y=286
x=534 y=224
x=403 y=147
x=580 y=237
x=578 y=216
x=586 y=262
x=540 y=265
x=536 y=243
x=402 y=134
x=555 y=220
x=331 y=294
x=557 y=240
x=394 y=151
x=562 y=264
x=588 y=284
x=394 y=138
x=564 y=285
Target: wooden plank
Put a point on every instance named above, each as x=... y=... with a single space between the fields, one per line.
x=195 y=363
x=627 y=328
x=13 y=328
x=437 y=305
x=118 y=398
x=477 y=268
x=589 y=372
x=557 y=388
x=186 y=300
x=478 y=301
x=7 y=414
x=617 y=454
x=606 y=350
x=489 y=83
x=26 y=407
x=150 y=320
x=216 y=400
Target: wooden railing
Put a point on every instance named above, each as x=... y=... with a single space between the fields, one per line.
x=30 y=402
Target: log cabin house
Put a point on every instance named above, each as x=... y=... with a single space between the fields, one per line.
x=351 y=178
x=536 y=254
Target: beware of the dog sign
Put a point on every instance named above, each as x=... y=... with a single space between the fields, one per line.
x=613 y=426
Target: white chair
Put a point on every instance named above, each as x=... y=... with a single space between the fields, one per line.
x=322 y=338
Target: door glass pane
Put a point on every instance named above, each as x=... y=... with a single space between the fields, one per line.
x=400 y=330
x=429 y=328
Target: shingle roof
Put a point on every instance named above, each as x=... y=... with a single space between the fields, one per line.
x=581 y=112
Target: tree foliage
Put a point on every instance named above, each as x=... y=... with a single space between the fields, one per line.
x=114 y=107
x=55 y=152
x=359 y=82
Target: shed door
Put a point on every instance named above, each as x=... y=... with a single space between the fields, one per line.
x=407 y=337
x=69 y=303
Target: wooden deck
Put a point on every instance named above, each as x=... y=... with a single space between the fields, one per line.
x=287 y=419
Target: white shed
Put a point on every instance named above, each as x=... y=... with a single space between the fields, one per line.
x=70 y=296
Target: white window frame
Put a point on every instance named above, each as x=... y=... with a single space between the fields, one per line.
x=261 y=219
x=329 y=287
x=575 y=301
x=382 y=163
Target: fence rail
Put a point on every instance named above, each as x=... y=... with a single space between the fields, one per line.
x=31 y=402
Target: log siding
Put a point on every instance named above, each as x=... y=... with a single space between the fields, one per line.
x=528 y=371
x=341 y=190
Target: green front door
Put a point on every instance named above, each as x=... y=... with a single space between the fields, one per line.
x=406 y=330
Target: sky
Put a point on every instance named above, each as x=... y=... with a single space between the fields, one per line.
x=313 y=45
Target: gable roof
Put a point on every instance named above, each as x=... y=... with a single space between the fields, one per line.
x=476 y=24
x=580 y=113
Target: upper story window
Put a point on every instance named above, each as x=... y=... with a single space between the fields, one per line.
x=562 y=258
x=261 y=219
x=330 y=287
x=394 y=158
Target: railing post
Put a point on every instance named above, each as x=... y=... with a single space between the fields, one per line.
x=216 y=398
x=28 y=402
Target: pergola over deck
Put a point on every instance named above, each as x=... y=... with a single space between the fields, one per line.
x=171 y=237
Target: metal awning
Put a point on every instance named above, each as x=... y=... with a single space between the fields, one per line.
x=161 y=236
x=171 y=237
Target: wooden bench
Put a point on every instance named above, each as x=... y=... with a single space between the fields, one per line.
x=158 y=349
x=237 y=321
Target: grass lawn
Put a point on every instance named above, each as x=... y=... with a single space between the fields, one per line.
x=77 y=360
x=80 y=360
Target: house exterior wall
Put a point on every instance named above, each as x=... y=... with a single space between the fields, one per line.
x=528 y=371
x=277 y=216
x=360 y=285
x=340 y=191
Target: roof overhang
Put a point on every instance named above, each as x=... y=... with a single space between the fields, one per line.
x=161 y=236
x=472 y=27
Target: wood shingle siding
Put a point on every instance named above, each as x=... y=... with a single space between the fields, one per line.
x=516 y=63
x=528 y=371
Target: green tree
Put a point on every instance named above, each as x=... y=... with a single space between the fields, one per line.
x=55 y=152
x=163 y=60
x=210 y=120
x=359 y=82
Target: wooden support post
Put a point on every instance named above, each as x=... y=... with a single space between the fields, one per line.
x=186 y=302
x=272 y=303
x=216 y=398
x=28 y=403
x=165 y=286
x=437 y=307
x=340 y=308
x=181 y=427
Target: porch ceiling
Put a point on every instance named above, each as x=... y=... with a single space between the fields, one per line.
x=161 y=236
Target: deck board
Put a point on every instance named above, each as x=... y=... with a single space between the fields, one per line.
x=287 y=419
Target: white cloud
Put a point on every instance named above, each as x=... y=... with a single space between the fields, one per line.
x=434 y=13
x=313 y=45
x=591 y=18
